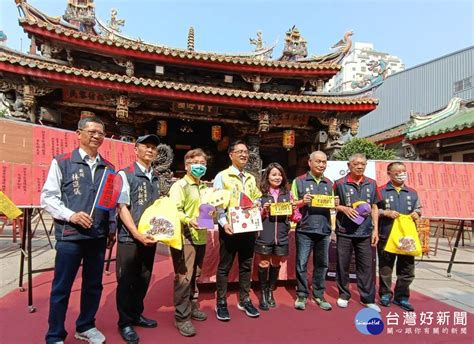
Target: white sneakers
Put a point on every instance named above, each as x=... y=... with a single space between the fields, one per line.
x=93 y=336
x=342 y=303
x=372 y=306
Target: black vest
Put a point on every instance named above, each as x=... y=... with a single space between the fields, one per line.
x=349 y=193
x=78 y=192
x=275 y=228
x=143 y=193
x=403 y=202
x=314 y=220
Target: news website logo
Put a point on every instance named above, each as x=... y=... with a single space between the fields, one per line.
x=369 y=322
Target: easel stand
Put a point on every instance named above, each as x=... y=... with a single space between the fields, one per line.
x=459 y=234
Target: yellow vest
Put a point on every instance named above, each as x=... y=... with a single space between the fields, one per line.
x=234 y=184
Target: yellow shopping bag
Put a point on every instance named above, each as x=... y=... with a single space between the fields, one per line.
x=404 y=238
x=161 y=221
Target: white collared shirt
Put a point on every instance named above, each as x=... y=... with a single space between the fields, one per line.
x=51 y=194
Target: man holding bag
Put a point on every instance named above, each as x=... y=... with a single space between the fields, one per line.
x=187 y=263
x=396 y=199
x=135 y=251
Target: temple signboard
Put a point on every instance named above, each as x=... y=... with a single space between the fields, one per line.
x=195 y=108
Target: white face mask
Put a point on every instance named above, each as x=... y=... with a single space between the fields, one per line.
x=401 y=177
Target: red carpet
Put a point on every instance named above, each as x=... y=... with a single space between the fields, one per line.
x=281 y=325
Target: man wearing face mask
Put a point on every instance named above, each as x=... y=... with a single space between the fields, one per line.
x=135 y=251
x=396 y=199
x=187 y=262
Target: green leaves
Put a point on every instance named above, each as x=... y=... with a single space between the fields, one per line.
x=361 y=145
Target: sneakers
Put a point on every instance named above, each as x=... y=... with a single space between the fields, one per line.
x=322 y=303
x=198 y=315
x=186 y=328
x=222 y=313
x=385 y=300
x=404 y=304
x=248 y=308
x=92 y=335
x=342 y=303
x=372 y=306
x=300 y=303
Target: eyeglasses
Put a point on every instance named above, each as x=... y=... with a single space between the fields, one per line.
x=93 y=133
x=241 y=152
x=196 y=163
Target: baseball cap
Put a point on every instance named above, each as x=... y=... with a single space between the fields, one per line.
x=363 y=209
x=148 y=139
x=205 y=219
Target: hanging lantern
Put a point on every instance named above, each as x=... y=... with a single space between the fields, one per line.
x=161 y=128
x=216 y=133
x=121 y=111
x=288 y=139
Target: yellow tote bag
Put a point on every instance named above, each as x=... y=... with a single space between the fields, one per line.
x=404 y=238
x=161 y=221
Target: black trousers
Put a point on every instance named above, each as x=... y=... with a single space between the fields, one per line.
x=133 y=268
x=405 y=270
x=241 y=244
x=363 y=258
x=187 y=265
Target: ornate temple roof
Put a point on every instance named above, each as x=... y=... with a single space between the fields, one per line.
x=389 y=136
x=50 y=69
x=54 y=28
x=455 y=117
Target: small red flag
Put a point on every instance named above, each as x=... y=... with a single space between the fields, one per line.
x=110 y=191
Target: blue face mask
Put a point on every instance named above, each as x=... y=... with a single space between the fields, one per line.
x=198 y=170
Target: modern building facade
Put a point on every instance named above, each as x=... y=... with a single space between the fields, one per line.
x=358 y=68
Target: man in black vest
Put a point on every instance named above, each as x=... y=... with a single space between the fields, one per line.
x=135 y=251
x=68 y=195
x=312 y=232
x=357 y=231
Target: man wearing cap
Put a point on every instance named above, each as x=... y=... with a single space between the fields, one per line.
x=187 y=262
x=396 y=198
x=135 y=251
x=312 y=232
x=236 y=180
x=357 y=229
x=68 y=195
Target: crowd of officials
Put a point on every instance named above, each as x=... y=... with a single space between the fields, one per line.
x=83 y=233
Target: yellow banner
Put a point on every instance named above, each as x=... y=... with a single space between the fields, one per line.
x=281 y=209
x=323 y=201
x=8 y=208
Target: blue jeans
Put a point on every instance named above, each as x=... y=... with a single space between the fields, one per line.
x=69 y=255
x=319 y=245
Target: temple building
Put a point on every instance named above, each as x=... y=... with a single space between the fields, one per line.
x=79 y=65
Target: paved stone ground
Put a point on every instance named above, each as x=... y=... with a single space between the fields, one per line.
x=431 y=278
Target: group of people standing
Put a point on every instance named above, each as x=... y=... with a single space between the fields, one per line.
x=82 y=234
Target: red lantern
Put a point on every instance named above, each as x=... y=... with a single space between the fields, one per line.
x=288 y=139
x=216 y=133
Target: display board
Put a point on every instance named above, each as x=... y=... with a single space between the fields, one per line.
x=26 y=151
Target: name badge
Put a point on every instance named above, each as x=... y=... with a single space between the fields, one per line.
x=323 y=201
x=281 y=209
